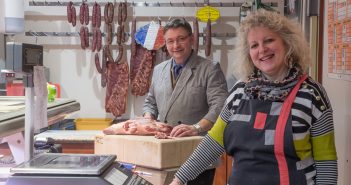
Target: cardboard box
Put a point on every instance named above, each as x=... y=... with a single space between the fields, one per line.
x=147 y=151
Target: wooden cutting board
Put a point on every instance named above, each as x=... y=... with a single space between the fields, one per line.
x=147 y=151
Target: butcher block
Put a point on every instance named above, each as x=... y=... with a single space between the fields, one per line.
x=147 y=151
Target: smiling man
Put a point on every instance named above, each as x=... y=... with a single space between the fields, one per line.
x=187 y=91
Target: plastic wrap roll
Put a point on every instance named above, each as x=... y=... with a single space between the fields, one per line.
x=11 y=16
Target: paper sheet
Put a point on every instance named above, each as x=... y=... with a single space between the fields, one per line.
x=41 y=98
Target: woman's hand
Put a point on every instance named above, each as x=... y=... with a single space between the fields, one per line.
x=183 y=130
x=176 y=181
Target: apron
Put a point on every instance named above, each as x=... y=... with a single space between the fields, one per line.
x=259 y=137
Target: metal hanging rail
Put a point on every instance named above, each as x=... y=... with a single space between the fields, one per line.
x=146 y=4
x=76 y=34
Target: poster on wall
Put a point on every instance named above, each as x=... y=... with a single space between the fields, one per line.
x=339 y=39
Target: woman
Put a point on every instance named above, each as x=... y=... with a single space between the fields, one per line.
x=276 y=123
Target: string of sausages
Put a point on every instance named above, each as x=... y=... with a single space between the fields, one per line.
x=71 y=14
x=114 y=73
x=121 y=20
x=84 y=21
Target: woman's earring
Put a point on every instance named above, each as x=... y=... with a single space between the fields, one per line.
x=290 y=62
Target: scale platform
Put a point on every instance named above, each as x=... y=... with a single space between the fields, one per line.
x=73 y=169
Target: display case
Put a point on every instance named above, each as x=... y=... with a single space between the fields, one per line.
x=12 y=113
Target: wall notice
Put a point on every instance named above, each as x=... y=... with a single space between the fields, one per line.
x=339 y=39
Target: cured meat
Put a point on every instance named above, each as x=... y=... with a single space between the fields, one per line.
x=74 y=16
x=106 y=13
x=141 y=126
x=123 y=36
x=124 y=12
x=108 y=53
x=120 y=12
x=196 y=36
x=82 y=37
x=141 y=70
x=117 y=88
x=103 y=68
x=93 y=16
x=160 y=56
x=120 y=53
x=208 y=39
x=132 y=38
x=135 y=61
x=86 y=36
x=81 y=13
x=98 y=40
x=97 y=63
x=110 y=12
x=119 y=34
x=93 y=44
x=98 y=16
x=69 y=11
x=109 y=33
x=86 y=14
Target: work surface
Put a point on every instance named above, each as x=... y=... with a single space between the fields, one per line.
x=69 y=136
x=12 y=112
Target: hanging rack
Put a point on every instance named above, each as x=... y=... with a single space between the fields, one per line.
x=146 y=4
x=76 y=34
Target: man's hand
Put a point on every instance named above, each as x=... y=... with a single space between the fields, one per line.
x=183 y=130
x=148 y=115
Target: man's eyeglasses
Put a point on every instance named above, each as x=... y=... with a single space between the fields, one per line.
x=179 y=40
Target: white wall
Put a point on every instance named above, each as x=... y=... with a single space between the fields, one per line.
x=74 y=68
x=339 y=94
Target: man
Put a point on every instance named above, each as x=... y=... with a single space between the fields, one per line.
x=187 y=91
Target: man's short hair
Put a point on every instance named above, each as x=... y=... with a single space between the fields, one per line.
x=178 y=23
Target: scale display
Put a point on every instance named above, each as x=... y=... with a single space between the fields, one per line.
x=51 y=163
x=73 y=169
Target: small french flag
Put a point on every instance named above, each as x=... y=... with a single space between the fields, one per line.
x=150 y=36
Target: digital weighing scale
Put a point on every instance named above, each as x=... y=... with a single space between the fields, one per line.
x=73 y=169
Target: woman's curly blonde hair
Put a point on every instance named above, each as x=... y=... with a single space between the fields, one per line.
x=290 y=31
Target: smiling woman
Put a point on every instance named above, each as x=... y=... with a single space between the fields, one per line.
x=277 y=122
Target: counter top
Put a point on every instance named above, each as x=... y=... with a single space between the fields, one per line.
x=70 y=136
x=12 y=113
